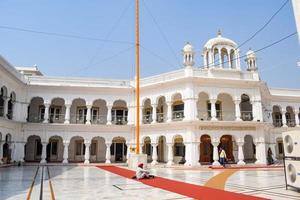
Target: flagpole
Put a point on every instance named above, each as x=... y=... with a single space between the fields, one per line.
x=137 y=131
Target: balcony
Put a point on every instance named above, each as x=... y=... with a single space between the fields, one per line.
x=119 y=120
x=98 y=119
x=246 y=115
x=147 y=119
x=177 y=115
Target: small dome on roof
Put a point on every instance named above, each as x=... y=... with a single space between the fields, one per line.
x=219 y=40
x=250 y=53
x=188 y=47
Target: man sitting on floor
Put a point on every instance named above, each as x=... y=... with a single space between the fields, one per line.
x=141 y=173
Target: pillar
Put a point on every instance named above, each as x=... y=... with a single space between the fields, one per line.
x=213 y=109
x=190 y=109
x=216 y=153
x=284 y=122
x=240 y=153
x=170 y=154
x=66 y=152
x=5 y=107
x=220 y=58
x=1 y=151
x=228 y=58
x=44 y=152
x=109 y=107
x=154 y=114
x=88 y=115
x=107 y=155
x=210 y=59
x=87 y=152
x=67 y=114
x=21 y=151
x=261 y=156
x=237 y=110
x=297 y=117
x=46 y=115
x=205 y=60
x=154 y=153
x=169 y=112
x=191 y=154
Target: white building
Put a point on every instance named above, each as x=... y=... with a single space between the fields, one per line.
x=186 y=114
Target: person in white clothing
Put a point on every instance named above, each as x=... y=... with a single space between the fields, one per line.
x=141 y=173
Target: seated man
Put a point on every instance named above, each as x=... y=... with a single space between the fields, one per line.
x=141 y=173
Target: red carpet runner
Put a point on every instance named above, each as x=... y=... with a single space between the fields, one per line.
x=186 y=189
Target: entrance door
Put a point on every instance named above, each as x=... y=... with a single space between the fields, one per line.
x=38 y=150
x=226 y=144
x=119 y=152
x=206 y=149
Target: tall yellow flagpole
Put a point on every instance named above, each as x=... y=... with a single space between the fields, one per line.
x=137 y=131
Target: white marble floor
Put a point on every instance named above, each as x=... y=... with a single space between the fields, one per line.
x=79 y=182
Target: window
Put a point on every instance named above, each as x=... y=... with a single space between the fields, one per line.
x=81 y=114
x=41 y=113
x=179 y=149
x=218 y=109
x=54 y=148
x=280 y=147
x=94 y=148
x=94 y=114
x=80 y=148
x=54 y=114
x=39 y=147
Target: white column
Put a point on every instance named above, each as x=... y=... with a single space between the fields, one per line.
x=237 y=110
x=170 y=155
x=240 y=153
x=273 y=149
x=210 y=59
x=191 y=154
x=46 y=115
x=154 y=154
x=213 y=109
x=1 y=151
x=5 y=109
x=220 y=58
x=261 y=156
x=87 y=152
x=284 y=122
x=216 y=154
x=66 y=152
x=205 y=59
x=109 y=107
x=44 y=152
x=107 y=155
x=190 y=109
x=154 y=114
x=297 y=117
x=228 y=58
x=16 y=108
x=21 y=151
x=88 y=115
x=67 y=114
x=169 y=112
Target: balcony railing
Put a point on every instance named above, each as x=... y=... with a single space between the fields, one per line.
x=177 y=115
x=147 y=119
x=77 y=119
x=98 y=119
x=119 y=120
x=246 y=115
x=57 y=118
x=290 y=122
x=277 y=122
x=160 y=117
x=33 y=118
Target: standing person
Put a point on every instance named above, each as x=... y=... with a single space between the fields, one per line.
x=141 y=173
x=222 y=156
x=270 y=157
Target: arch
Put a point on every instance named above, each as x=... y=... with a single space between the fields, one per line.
x=206 y=149
x=99 y=112
x=55 y=149
x=202 y=106
x=33 y=149
x=76 y=149
x=119 y=112
x=78 y=111
x=279 y=148
x=57 y=110
x=36 y=110
x=161 y=149
x=178 y=149
x=98 y=149
x=246 y=108
x=277 y=116
x=118 y=149
x=249 y=149
x=226 y=142
x=147 y=111
x=290 y=116
x=3 y=96
x=10 y=105
x=177 y=107
x=147 y=148
x=226 y=108
x=161 y=109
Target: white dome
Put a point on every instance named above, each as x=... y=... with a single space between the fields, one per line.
x=188 y=47
x=250 y=54
x=219 y=40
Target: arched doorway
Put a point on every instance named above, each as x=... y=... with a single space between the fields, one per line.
x=55 y=149
x=206 y=149
x=161 y=149
x=98 y=150
x=147 y=148
x=246 y=108
x=33 y=149
x=76 y=149
x=279 y=148
x=249 y=149
x=226 y=144
x=179 y=150
x=118 y=149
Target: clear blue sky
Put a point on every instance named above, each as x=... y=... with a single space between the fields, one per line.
x=181 y=21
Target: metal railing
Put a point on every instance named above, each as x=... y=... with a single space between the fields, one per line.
x=98 y=119
x=177 y=115
x=33 y=118
x=160 y=118
x=147 y=119
x=57 y=118
x=77 y=119
x=119 y=120
x=246 y=115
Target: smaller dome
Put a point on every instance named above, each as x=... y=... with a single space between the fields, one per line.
x=250 y=53
x=219 y=40
x=188 y=47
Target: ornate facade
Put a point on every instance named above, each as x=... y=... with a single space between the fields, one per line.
x=195 y=111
